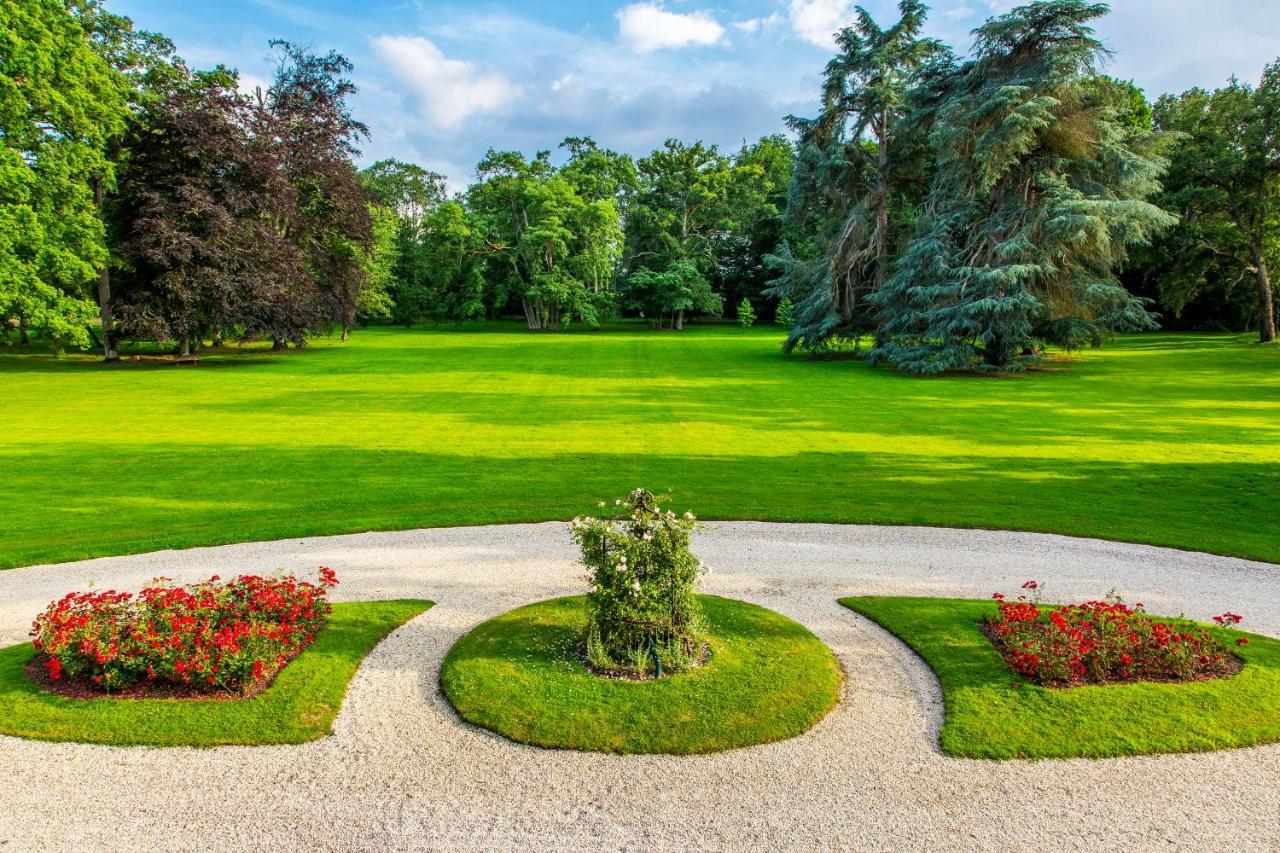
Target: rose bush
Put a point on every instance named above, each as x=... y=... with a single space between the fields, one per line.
x=1104 y=641
x=211 y=635
x=642 y=603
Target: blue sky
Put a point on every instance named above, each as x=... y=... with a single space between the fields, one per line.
x=442 y=81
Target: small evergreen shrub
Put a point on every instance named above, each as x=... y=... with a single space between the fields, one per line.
x=642 y=604
x=785 y=315
x=746 y=314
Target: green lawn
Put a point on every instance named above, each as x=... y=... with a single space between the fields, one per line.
x=1167 y=439
x=988 y=717
x=519 y=674
x=299 y=706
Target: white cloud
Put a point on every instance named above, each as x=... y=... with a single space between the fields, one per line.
x=755 y=25
x=448 y=91
x=816 y=21
x=647 y=27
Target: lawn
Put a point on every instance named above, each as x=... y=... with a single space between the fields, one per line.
x=988 y=717
x=520 y=674
x=299 y=706
x=1167 y=439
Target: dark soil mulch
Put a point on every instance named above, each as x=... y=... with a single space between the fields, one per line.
x=1231 y=666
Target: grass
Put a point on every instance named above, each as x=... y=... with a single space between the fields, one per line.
x=987 y=717
x=1156 y=438
x=518 y=674
x=299 y=706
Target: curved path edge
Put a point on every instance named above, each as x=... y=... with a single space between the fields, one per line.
x=403 y=771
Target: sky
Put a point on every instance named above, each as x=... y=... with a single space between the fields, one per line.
x=442 y=81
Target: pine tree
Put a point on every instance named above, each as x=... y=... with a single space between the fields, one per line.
x=1039 y=191
x=855 y=162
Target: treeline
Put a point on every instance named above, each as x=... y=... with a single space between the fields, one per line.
x=165 y=201
x=680 y=232
x=951 y=214
x=937 y=213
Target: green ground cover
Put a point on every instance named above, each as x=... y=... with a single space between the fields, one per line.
x=988 y=717
x=520 y=674
x=299 y=706
x=1170 y=439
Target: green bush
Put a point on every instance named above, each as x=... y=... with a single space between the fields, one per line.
x=785 y=316
x=746 y=314
x=642 y=604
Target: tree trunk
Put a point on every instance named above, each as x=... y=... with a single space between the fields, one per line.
x=24 y=327
x=217 y=337
x=346 y=332
x=531 y=316
x=185 y=346
x=109 y=352
x=678 y=323
x=1266 y=298
x=279 y=344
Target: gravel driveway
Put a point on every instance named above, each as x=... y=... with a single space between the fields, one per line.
x=403 y=772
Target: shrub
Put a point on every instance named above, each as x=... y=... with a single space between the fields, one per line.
x=1104 y=641
x=209 y=635
x=785 y=315
x=642 y=604
x=746 y=314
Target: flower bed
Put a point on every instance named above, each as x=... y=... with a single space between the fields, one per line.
x=205 y=638
x=1101 y=642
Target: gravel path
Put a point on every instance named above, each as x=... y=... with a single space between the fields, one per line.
x=402 y=771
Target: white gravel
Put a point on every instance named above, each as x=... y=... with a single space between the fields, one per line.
x=402 y=771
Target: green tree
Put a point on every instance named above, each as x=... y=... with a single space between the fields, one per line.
x=746 y=314
x=1224 y=182
x=1039 y=191
x=548 y=247
x=666 y=297
x=61 y=104
x=379 y=261
x=859 y=168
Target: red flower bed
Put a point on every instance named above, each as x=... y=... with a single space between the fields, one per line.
x=206 y=636
x=1099 y=642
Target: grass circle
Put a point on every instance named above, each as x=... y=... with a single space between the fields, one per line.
x=520 y=675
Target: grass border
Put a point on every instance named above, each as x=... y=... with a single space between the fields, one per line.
x=299 y=706
x=988 y=717
x=769 y=678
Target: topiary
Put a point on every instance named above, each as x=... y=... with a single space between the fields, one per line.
x=644 y=615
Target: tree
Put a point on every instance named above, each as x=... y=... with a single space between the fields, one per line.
x=379 y=262
x=548 y=247
x=1039 y=191
x=196 y=221
x=1223 y=181
x=60 y=105
x=757 y=197
x=679 y=289
x=146 y=68
x=746 y=314
x=859 y=162
x=305 y=122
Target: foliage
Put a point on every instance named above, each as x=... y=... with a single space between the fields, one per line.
x=664 y=298
x=768 y=678
x=377 y=299
x=988 y=715
x=547 y=246
x=1168 y=435
x=643 y=578
x=1223 y=183
x=1038 y=193
x=209 y=635
x=858 y=169
x=784 y=316
x=60 y=106
x=1100 y=642
x=746 y=314
x=299 y=706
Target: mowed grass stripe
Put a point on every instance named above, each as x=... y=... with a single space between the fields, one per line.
x=1165 y=439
